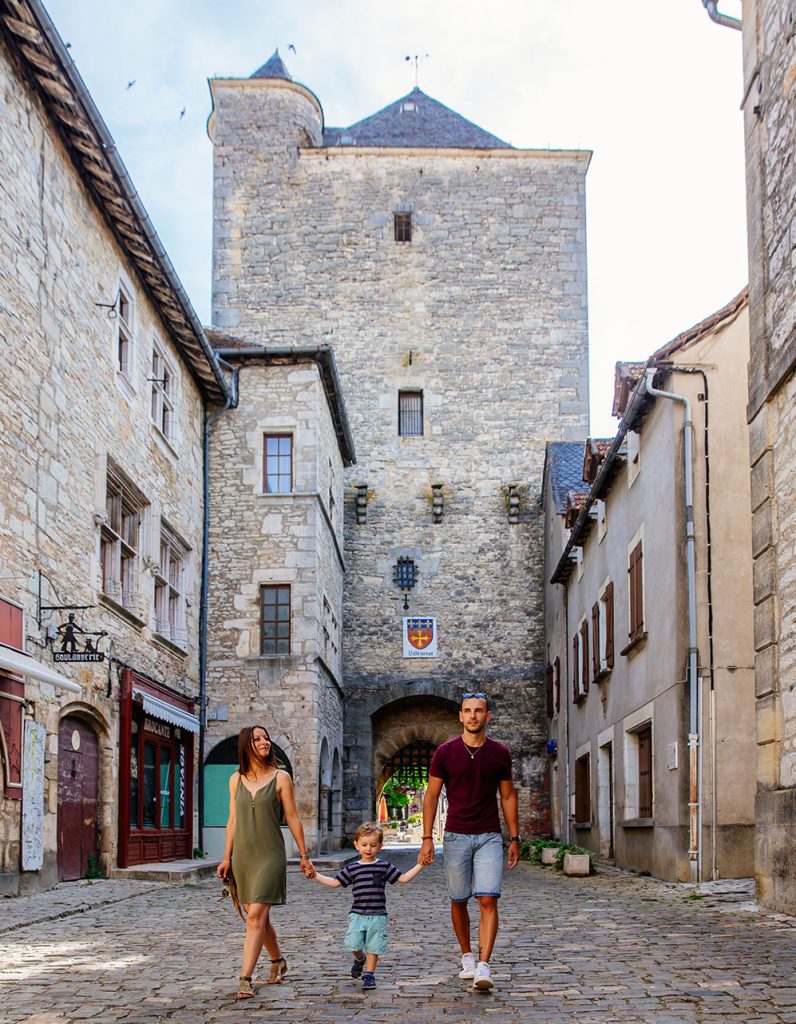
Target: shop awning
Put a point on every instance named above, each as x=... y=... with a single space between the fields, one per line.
x=166 y=712
x=23 y=665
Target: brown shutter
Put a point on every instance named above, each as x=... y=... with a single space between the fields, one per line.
x=595 y=639
x=635 y=573
x=582 y=790
x=609 y=625
x=575 y=690
x=584 y=654
x=557 y=682
x=549 y=689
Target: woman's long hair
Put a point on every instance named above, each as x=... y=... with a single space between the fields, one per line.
x=248 y=757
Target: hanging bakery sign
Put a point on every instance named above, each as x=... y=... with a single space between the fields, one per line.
x=73 y=643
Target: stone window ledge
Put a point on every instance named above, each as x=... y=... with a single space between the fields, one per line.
x=258 y=659
x=583 y=826
x=601 y=675
x=120 y=610
x=637 y=823
x=635 y=645
x=169 y=645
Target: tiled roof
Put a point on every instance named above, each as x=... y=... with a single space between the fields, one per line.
x=273 y=68
x=565 y=468
x=626 y=376
x=576 y=500
x=414 y=120
x=728 y=312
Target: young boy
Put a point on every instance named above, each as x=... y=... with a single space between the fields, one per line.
x=367 y=921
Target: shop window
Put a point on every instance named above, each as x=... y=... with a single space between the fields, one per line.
x=278 y=464
x=410 y=413
x=134 y=792
x=171 y=575
x=275 y=619
x=120 y=538
x=162 y=395
x=582 y=790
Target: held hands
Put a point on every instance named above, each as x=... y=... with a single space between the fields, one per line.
x=307 y=867
x=426 y=854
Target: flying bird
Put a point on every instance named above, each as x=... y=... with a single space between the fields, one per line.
x=131 y=84
x=182 y=113
x=290 y=46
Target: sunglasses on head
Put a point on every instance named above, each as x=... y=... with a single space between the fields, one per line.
x=478 y=696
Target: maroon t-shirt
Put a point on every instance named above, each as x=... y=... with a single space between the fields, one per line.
x=471 y=784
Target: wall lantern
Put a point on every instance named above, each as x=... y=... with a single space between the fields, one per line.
x=404 y=576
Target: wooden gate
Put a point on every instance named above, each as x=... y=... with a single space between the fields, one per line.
x=78 y=790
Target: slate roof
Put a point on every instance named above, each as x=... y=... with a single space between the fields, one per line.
x=273 y=68
x=565 y=468
x=415 y=120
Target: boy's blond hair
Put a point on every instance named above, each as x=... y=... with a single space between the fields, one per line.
x=370 y=828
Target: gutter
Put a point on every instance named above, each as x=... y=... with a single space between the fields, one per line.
x=721 y=19
x=323 y=355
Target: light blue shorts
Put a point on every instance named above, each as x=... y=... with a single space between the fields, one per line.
x=367 y=932
x=473 y=864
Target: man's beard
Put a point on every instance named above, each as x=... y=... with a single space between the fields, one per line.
x=475 y=729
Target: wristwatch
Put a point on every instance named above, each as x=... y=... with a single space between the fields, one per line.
x=515 y=839
x=426 y=837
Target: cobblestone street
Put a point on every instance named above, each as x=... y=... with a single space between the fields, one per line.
x=612 y=947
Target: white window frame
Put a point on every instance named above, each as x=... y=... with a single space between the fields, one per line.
x=603 y=624
x=582 y=691
x=121 y=537
x=634 y=724
x=171 y=578
x=633 y=441
x=125 y=334
x=163 y=393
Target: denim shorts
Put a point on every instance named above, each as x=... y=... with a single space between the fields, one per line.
x=473 y=864
x=367 y=932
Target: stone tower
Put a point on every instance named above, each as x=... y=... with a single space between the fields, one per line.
x=447 y=270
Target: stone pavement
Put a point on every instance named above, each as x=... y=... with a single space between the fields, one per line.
x=610 y=948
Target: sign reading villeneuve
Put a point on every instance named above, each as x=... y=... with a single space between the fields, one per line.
x=420 y=637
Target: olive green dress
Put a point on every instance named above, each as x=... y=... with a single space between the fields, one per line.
x=259 y=862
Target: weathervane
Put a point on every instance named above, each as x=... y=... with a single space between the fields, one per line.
x=418 y=59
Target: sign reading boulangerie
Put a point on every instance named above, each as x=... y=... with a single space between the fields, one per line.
x=420 y=637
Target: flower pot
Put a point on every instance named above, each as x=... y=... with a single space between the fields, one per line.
x=577 y=864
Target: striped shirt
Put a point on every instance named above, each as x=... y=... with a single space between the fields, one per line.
x=369 y=882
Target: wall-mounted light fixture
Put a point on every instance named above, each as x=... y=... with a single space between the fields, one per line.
x=404 y=576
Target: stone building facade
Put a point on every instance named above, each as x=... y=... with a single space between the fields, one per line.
x=770 y=136
x=448 y=272
x=620 y=680
x=106 y=377
x=276 y=530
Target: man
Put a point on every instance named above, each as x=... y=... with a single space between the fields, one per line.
x=474 y=770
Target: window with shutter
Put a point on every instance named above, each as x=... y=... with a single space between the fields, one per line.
x=575 y=669
x=582 y=790
x=549 y=690
x=608 y=598
x=557 y=683
x=644 y=738
x=410 y=413
x=636 y=592
x=584 y=656
x=595 y=640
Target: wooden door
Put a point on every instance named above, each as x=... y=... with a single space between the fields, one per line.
x=78 y=790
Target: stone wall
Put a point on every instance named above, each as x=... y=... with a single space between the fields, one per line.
x=64 y=414
x=770 y=133
x=485 y=312
x=258 y=539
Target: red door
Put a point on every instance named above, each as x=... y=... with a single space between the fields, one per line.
x=78 y=787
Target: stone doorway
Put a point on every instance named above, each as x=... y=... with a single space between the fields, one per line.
x=406 y=733
x=78 y=794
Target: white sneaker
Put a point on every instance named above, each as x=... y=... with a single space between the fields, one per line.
x=468 y=966
x=483 y=977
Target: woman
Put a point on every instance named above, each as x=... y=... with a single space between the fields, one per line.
x=258 y=793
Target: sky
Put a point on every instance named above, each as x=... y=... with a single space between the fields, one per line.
x=654 y=89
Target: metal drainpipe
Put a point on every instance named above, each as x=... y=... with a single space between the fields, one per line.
x=565 y=705
x=695 y=796
x=721 y=19
x=231 y=402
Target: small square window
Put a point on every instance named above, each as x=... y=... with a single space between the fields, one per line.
x=278 y=463
x=403 y=227
x=410 y=413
